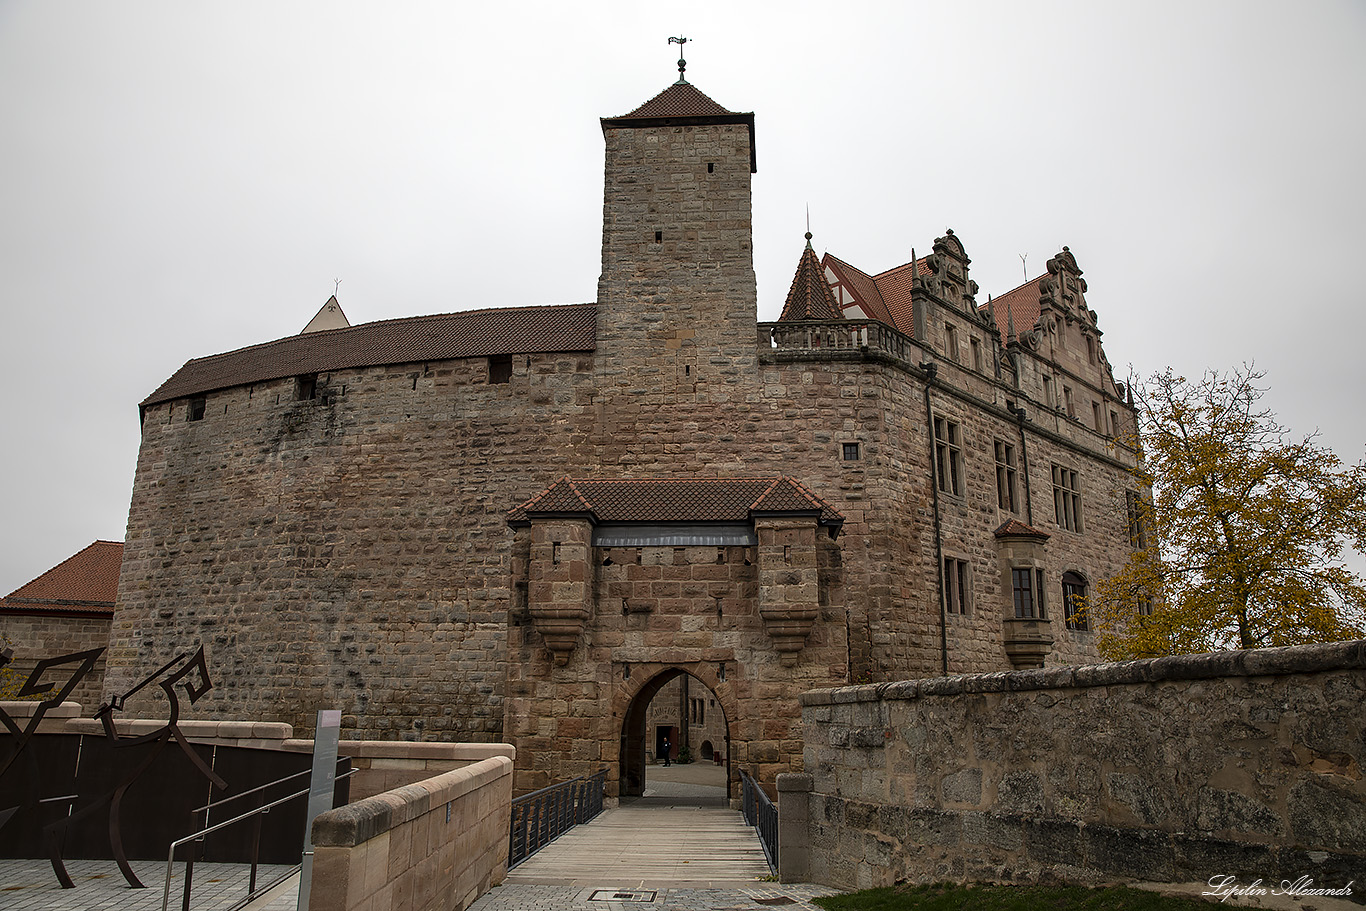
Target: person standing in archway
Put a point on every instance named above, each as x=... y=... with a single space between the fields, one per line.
x=667 y=747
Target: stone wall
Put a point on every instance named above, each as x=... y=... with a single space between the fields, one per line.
x=436 y=845
x=656 y=611
x=50 y=634
x=349 y=550
x=1171 y=769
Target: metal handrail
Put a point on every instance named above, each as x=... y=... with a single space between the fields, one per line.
x=550 y=812
x=270 y=784
x=762 y=815
x=260 y=811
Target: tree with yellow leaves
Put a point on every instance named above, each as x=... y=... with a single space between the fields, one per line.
x=1243 y=542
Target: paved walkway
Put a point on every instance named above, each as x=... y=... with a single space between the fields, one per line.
x=29 y=885
x=679 y=848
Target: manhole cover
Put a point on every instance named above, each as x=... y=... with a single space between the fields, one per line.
x=621 y=895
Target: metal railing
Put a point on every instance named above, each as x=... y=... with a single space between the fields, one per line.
x=258 y=817
x=762 y=815
x=542 y=816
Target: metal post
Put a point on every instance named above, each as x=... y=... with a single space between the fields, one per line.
x=321 y=787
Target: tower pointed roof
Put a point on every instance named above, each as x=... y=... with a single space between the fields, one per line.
x=683 y=104
x=329 y=317
x=810 y=296
x=682 y=99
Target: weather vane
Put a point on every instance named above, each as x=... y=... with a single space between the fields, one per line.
x=682 y=64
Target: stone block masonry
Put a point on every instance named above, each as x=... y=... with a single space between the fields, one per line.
x=349 y=550
x=1178 y=769
x=435 y=845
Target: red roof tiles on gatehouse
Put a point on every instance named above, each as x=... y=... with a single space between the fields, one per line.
x=677 y=500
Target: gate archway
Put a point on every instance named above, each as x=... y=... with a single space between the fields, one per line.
x=636 y=742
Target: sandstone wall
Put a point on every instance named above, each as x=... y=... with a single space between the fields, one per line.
x=35 y=636
x=1171 y=769
x=349 y=550
x=436 y=845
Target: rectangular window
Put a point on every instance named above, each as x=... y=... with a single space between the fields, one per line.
x=1027 y=583
x=1067 y=402
x=1145 y=607
x=1114 y=423
x=957 y=588
x=1005 y=476
x=500 y=368
x=1074 y=601
x=976 y=355
x=951 y=342
x=1066 y=499
x=1138 y=537
x=196 y=410
x=1090 y=349
x=851 y=452
x=1048 y=392
x=306 y=387
x=948 y=456
x=1098 y=417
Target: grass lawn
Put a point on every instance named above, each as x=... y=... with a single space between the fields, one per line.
x=953 y=897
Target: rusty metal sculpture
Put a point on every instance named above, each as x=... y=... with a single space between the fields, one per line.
x=187 y=665
x=176 y=672
x=84 y=662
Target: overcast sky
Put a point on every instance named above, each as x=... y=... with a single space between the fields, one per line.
x=183 y=178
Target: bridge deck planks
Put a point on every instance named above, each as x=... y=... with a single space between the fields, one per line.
x=643 y=845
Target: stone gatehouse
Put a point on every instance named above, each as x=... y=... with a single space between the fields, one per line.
x=520 y=524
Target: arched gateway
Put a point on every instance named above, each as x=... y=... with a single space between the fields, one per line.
x=620 y=586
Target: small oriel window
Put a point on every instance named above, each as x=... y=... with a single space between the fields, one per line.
x=851 y=452
x=500 y=368
x=196 y=411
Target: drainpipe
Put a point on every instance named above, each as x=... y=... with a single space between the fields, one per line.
x=1024 y=460
x=930 y=370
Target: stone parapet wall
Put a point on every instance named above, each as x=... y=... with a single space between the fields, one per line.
x=1170 y=769
x=436 y=844
x=382 y=765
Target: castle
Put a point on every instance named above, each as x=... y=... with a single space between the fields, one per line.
x=521 y=524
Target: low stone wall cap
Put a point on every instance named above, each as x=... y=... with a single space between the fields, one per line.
x=1290 y=659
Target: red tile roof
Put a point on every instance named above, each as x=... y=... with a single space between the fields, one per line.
x=810 y=296
x=682 y=99
x=667 y=500
x=895 y=285
x=472 y=333
x=885 y=297
x=1017 y=529
x=86 y=582
x=861 y=285
x=1019 y=306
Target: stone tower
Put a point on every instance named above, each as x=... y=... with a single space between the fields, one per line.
x=676 y=298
